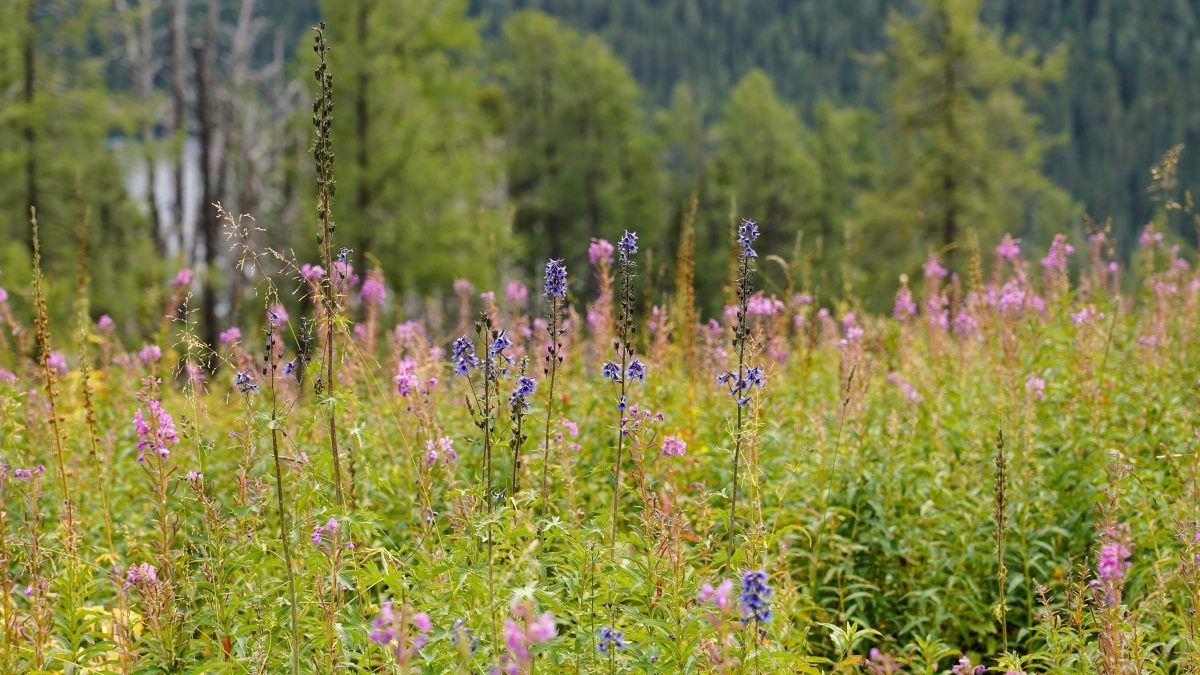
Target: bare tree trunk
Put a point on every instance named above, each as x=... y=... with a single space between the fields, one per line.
x=139 y=51
x=362 y=123
x=31 y=186
x=207 y=222
x=177 y=34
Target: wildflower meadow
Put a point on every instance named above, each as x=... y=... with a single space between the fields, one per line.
x=568 y=475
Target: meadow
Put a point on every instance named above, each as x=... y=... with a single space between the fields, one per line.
x=1001 y=474
x=569 y=474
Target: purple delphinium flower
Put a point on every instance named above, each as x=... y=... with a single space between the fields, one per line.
x=525 y=387
x=611 y=371
x=636 y=370
x=627 y=246
x=463 y=355
x=756 y=597
x=556 y=279
x=244 y=381
x=608 y=638
x=747 y=234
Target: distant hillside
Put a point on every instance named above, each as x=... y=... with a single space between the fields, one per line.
x=1130 y=94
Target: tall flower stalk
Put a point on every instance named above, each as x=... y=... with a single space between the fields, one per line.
x=745 y=379
x=556 y=292
x=630 y=367
x=1000 y=517
x=326 y=186
x=517 y=407
x=272 y=357
x=51 y=378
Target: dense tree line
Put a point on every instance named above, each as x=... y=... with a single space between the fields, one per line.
x=473 y=139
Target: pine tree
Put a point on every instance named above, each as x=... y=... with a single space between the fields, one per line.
x=581 y=163
x=963 y=149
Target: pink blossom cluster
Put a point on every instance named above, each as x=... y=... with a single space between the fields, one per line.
x=445 y=444
x=600 y=252
x=141 y=575
x=521 y=632
x=674 y=446
x=910 y=391
x=155 y=439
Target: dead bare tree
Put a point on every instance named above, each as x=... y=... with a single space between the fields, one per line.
x=138 y=26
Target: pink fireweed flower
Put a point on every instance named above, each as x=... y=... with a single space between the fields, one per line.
x=600 y=251
x=933 y=268
x=406 y=377
x=463 y=287
x=965 y=667
x=1112 y=564
x=7 y=377
x=488 y=297
x=1012 y=297
x=879 y=663
x=1150 y=341
x=373 y=292
x=403 y=631
x=158 y=438
x=1009 y=248
x=184 y=278
x=1056 y=259
x=910 y=392
x=1035 y=386
x=231 y=335
x=312 y=272
x=905 y=307
x=1150 y=237
x=3 y=295
x=802 y=299
x=520 y=638
x=57 y=361
x=516 y=292
x=150 y=354
x=105 y=324
x=1085 y=315
x=720 y=597
x=141 y=575
x=673 y=446
x=758 y=304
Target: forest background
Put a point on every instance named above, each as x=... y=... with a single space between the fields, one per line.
x=475 y=139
